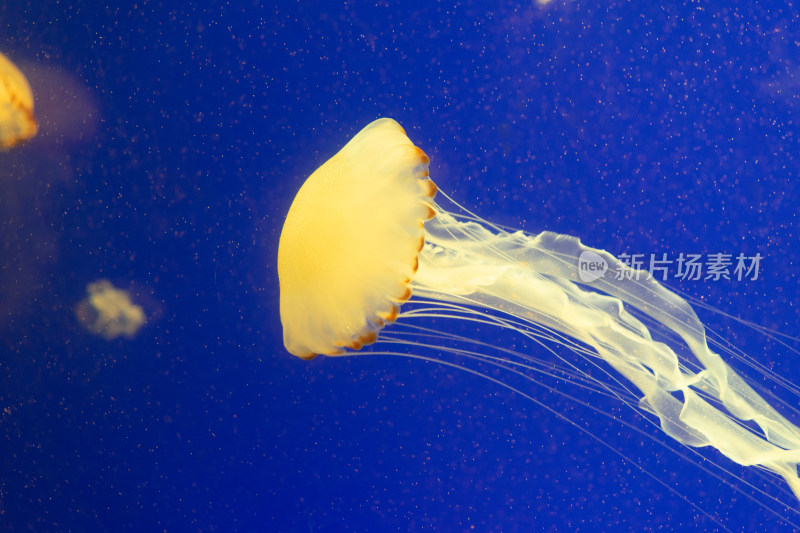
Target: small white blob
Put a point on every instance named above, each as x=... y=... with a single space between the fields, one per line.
x=109 y=312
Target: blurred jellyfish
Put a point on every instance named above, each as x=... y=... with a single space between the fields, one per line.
x=16 y=106
x=109 y=312
x=34 y=182
x=364 y=233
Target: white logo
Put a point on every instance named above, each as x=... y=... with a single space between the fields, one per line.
x=591 y=266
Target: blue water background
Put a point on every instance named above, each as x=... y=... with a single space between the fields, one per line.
x=639 y=128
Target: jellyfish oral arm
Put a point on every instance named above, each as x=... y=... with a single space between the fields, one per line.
x=536 y=279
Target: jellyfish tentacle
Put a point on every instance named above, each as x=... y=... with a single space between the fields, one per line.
x=536 y=278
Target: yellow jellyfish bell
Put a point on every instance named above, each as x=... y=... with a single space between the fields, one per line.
x=349 y=246
x=16 y=106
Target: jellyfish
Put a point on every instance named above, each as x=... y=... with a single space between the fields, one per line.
x=16 y=106
x=109 y=312
x=364 y=236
